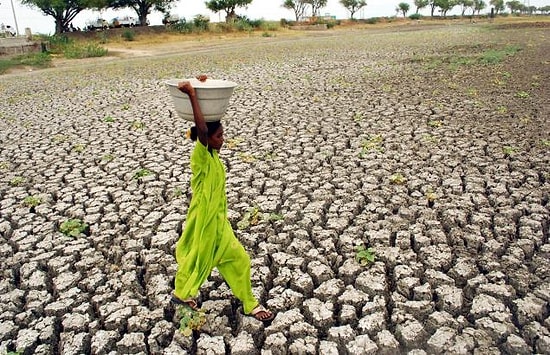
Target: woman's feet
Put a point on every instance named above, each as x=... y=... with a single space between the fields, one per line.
x=190 y=302
x=262 y=314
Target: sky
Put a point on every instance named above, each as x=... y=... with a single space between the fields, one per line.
x=270 y=10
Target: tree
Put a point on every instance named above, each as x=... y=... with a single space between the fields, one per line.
x=498 y=5
x=420 y=4
x=478 y=6
x=514 y=6
x=142 y=7
x=433 y=5
x=63 y=11
x=316 y=5
x=465 y=4
x=353 y=6
x=403 y=7
x=298 y=6
x=445 y=5
x=228 y=6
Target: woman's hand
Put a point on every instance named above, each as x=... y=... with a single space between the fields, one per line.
x=186 y=88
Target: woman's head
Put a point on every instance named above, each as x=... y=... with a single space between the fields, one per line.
x=215 y=134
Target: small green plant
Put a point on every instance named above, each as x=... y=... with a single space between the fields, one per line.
x=275 y=217
x=251 y=218
x=109 y=119
x=16 y=181
x=190 y=320
x=365 y=255
x=73 y=228
x=126 y=107
x=522 y=94
x=431 y=197
x=79 y=148
x=502 y=110
x=371 y=143
x=430 y=138
x=138 y=124
x=397 y=179
x=178 y=192
x=357 y=117
x=108 y=157
x=32 y=201
x=4 y=165
x=435 y=123
x=545 y=142
x=248 y=158
x=255 y=216
x=141 y=173
x=493 y=56
x=129 y=35
x=509 y=151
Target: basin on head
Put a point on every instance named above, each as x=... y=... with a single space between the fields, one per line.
x=213 y=96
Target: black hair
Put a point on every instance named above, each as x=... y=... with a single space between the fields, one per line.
x=212 y=128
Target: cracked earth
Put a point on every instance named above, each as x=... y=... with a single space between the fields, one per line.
x=403 y=141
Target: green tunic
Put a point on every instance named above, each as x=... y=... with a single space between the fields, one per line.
x=208 y=240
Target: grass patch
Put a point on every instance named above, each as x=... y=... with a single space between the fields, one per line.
x=74 y=228
x=85 y=50
x=35 y=60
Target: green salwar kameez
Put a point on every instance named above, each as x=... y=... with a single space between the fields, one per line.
x=208 y=240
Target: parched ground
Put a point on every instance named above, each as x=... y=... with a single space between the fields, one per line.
x=428 y=144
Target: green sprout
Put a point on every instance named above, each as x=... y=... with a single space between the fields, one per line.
x=364 y=255
x=435 y=123
x=502 y=109
x=509 y=151
x=108 y=157
x=138 y=124
x=522 y=94
x=190 y=319
x=371 y=143
x=397 y=179
x=18 y=180
x=32 y=201
x=431 y=197
x=248 y=158
x=109 y=119
x=141 y=173
x=178 y=192
x=73 y=227
x=254 y=217
x=79 y=148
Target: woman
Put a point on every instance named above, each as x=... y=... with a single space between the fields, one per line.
x=208 y=240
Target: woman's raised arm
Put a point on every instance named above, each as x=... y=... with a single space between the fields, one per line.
x=200 y=123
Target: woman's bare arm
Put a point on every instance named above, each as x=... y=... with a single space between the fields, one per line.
x=200 y=123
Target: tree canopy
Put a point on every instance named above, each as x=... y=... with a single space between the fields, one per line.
x=63 y=11
x=353 y=6
x=298 y=6
x=403 y=7
x=142 y=7
x=316 y=5
x=228 y=6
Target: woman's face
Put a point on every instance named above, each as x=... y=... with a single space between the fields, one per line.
x=216 y=140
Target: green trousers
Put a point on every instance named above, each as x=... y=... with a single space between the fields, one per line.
x=233 y=263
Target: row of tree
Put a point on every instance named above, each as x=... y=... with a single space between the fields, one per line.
x=64 y=11
x=476 y=6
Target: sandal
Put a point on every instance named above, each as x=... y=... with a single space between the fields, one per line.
x=190 y=302
x=262 y=314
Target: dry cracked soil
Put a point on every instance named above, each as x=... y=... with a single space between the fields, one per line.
x=428 y=144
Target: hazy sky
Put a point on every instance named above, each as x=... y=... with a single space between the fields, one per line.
x=266 y=9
